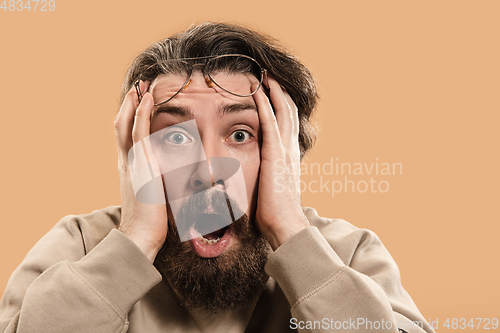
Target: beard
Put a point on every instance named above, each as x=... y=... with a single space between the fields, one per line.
x=231 y=281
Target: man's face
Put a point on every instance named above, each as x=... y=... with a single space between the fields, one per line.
x=228 y=127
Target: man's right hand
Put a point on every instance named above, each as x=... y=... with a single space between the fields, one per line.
x=145 y=224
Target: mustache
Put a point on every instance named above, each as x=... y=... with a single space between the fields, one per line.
x=208 y=211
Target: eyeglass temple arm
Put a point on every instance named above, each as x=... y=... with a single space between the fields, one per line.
x=138 y=90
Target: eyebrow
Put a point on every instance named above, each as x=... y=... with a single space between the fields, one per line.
x=237 y=107
x=185 y=112
x=181 y=111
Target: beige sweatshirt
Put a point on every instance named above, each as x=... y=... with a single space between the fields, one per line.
x=86 y=276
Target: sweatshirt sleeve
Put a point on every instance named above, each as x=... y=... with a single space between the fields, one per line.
x=362 y=294
x=59 y=287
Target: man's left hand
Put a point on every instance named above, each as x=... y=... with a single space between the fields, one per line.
x=279 y=213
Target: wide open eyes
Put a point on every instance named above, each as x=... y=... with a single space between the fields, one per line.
x=240 y=136
x=177 y=138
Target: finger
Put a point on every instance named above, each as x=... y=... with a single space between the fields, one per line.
x=287 y=117
x=144 y=165
x=141 y=132
x=284 y=113
x=124 y=120
x=268 y=123
x=145 y=171
x=294 y=111
x=144 y=86
x=294 y=147
x=141 y=127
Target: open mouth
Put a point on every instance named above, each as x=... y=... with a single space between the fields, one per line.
x=206 y=242
x=206 y=223
x=213 y=237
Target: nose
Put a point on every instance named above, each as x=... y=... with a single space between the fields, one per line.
x=206 y=174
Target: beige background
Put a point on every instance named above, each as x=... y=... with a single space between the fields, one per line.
x=410 y=82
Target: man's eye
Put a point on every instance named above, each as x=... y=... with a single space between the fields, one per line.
x=240 y=136
x=177 y=138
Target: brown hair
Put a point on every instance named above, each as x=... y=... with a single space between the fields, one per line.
x=209 y=39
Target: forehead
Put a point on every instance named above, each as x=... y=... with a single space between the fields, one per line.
x=202 y=100
x=165 y=86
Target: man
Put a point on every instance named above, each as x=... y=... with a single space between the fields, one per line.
x=211 y=235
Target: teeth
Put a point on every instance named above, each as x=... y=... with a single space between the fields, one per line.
x=207 y=241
